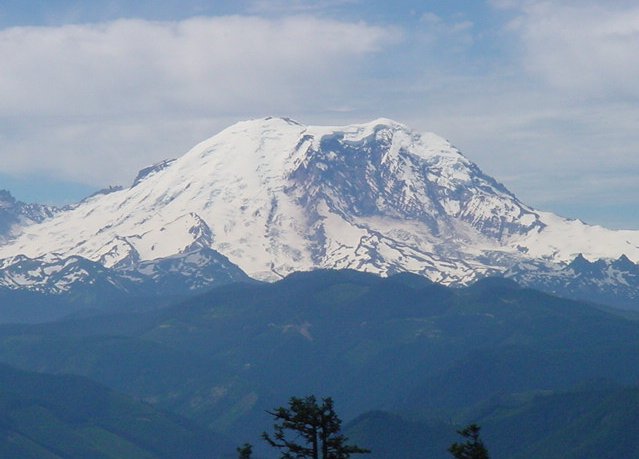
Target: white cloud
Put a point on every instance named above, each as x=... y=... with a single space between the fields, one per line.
x=543 y=104
x=553 y=113
x=135 y=66
x=99 y=98
x=296 y=6
x=589 y=48
x=452 y=34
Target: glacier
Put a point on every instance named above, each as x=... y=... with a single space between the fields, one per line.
x=272 y=196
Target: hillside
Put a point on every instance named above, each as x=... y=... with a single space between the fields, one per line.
x=400 y=343
x=70 y=417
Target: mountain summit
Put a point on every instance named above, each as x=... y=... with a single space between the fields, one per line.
x=273 y=196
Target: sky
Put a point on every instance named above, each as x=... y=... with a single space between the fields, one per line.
x=542 y=94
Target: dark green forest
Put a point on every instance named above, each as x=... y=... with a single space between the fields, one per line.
x=408 y=363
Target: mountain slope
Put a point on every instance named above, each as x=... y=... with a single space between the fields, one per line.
x=591 y=423
x=275 y=196
x=48 y=416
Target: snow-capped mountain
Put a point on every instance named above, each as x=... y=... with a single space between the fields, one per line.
x=606 y=281
x=193 y=270
x=273 y=196
x=15 y=215
x=51 y=275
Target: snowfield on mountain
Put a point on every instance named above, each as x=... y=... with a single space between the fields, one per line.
x=272 y=196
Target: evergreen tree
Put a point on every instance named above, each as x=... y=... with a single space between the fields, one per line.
x=472 y=448
x=308 y=430
x=245 y=451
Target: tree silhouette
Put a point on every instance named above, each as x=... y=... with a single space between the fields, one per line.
x=245 y=451
x=472 y=448
x=308 y=430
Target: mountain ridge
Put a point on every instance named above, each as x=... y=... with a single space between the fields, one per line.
x=15 y=215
